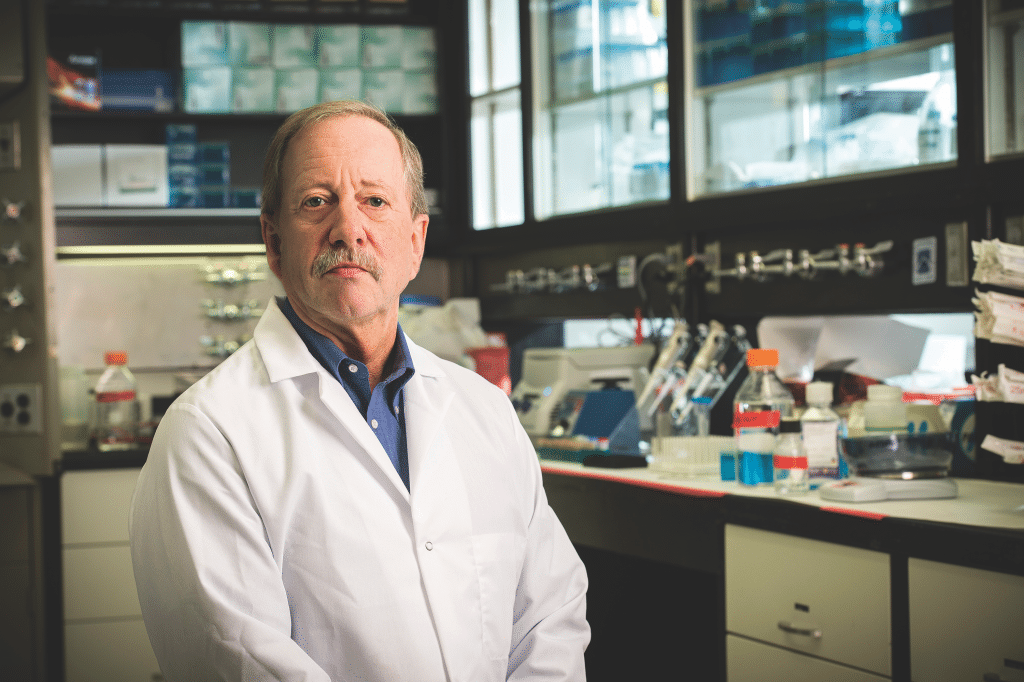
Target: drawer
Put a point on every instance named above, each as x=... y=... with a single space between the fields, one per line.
x=819 y=598
x=964 y=622
x=749 y=661
x=117 y=651
x=94 y=505
x=15 y=524
x=99 y=583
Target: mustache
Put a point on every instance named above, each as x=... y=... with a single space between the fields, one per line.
x=333 y=256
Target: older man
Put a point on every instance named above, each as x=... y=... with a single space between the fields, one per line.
x=333 y=502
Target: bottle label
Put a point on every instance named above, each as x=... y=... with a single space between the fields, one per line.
x=764 y=419
x=115 y=396
x=788 y=462
x=820 y=441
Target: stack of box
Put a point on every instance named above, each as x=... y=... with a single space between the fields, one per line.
x=214 y=162
x=245 y=67
x=182 y=170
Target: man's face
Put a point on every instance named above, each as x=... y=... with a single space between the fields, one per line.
x=343 y=241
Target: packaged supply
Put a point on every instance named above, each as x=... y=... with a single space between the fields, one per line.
x=819 y=426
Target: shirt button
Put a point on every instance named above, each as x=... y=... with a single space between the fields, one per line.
x=429 y=545
x=373 y=423
x=353 y=369
x=396 y=409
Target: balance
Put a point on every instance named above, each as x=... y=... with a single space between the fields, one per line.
x=895 y=466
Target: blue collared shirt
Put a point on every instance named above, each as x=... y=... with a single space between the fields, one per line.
x=383 y=407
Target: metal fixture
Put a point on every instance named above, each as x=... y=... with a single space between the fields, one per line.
x=861 y=260
x=571 y=278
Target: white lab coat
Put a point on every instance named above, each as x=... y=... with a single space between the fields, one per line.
x=272 y=538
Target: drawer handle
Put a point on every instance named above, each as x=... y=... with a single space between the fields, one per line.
x=787 y=626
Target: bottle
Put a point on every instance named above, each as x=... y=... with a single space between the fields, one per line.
x=819 y=425
x=117 y=406
x=884 y=411
x=760 y=403
x=936 y=134
x=790 y=459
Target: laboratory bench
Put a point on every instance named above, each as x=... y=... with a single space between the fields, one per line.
x=710 y=580
x=689 y=579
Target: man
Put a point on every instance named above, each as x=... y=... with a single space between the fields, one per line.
x=333 y=502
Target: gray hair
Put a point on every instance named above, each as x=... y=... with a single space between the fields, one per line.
x=270 y=201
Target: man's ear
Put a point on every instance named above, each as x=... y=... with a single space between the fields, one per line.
x=272 y=241
x=419 y=239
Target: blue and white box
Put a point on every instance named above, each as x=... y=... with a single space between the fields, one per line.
x=384 y=88
x=294 y=46
x=339 y=45
x=248 y=43
x=252 y=90
x=204 y=43
x=419 y=94
x=296 y=89
x=382 y=46
x=339 y=84
x=207 y=90
x=419 y=49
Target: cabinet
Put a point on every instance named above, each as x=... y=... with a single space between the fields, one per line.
x=965 y=623
x=135 y=39
x=796 y=598
x=104 y=636
x=750 y=661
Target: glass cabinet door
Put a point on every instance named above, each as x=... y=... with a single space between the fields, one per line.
x=787 y=91
x=1005 y=77
x=600 y=119
x=496 y=118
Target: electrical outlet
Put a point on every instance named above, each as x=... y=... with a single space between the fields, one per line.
x=925 y=261
x=10 y=146
x=21 y=407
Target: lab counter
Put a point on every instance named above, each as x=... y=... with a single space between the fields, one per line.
x=635 y=526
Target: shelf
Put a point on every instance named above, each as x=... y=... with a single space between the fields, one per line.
x=836 y=64
x=122 y=215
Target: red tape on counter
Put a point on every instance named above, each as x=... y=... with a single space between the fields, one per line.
x=767 y=419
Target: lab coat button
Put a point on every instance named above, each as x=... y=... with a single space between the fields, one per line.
x=429 y=545
x=373 y=423
x=353 y=368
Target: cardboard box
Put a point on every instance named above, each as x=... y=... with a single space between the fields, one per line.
x=136 y=175
x=293 y=46
x=339 y=45
x=248 y=43
x=296 y=89
x=77 y=174
x=384 y=88
x=252 y=90
x=339 y=84
x=204 y=43
x=207 y=90
x=419 y=94
x=382 y=46
x=419 y=50
x=137 y=90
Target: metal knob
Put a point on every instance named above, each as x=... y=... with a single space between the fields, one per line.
x=16 y=342
x=12 y=210
x=12 y=254
x=14 y=298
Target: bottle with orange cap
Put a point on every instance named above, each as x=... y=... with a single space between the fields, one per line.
x=761 y=402
x=117 y=405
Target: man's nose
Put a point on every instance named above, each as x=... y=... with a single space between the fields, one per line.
x=348 y=224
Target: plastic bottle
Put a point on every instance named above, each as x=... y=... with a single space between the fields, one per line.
x=884 y=411
x=117 y=405
x=819 y=425
x=790 y=459
x=760 y=403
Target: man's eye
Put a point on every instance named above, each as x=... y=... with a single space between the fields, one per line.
x=376 y=202
x=315 y=202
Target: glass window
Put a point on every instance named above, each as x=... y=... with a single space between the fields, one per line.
x=787 y=92
x=496 y=129
x=1006 y=76
x=600 y=106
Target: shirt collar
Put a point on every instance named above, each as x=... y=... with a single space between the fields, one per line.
x=331 y=357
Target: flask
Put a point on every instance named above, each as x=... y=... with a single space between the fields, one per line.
x=117 y=406
x=819 y=425
x=790 y=459
x=761 y=401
